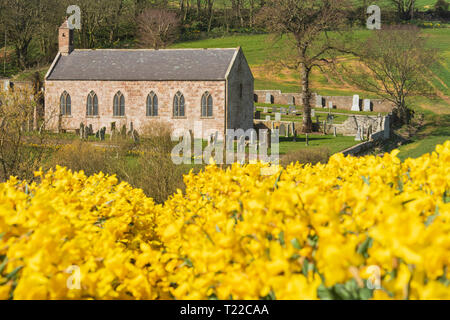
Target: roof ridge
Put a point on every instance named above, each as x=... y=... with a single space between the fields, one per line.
x=171 y=49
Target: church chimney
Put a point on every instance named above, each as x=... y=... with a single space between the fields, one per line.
x=65 y=39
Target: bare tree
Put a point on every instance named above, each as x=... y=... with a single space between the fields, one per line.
x=405 y=8
x=394 y=63
x=308 y=43
x=157 y=27
x=20 y=20
x=21 y=152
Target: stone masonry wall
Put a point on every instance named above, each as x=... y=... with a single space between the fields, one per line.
x=339 y=102
x=240 y=108
x=135 y=93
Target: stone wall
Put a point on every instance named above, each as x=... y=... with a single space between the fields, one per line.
x=135 y=93
x=339 y=102
x=240 y=104
x=11 y=84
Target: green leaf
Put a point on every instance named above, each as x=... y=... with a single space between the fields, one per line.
x=3 y=265
x=213 y=297
x=187 y=262
x=208 y=237
x=400 y=184
x=275 y=186
x=281 y=238
x=446 y=197
x=365 y=294
x=431 y=218
x=362 y=249
x=295 y=256
x=270 y=296
x=352 y=287
x=366 y=180
x=13 y=273
x=305 y=267
x=323 y=293
x=342 y=292
x=296 y=244
x=2 y=234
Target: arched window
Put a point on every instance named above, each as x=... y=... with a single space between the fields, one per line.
x=65 y=104
x=92 y=104
x=207 y=105
x=178 y=105
x=119 y=105
x=152 y=105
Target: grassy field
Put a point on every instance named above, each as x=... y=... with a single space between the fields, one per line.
x=257 y=49
x=436 y=110
x=334 y=144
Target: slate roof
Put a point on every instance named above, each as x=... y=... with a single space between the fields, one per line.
x=151 y=65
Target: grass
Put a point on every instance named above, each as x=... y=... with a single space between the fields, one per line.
x=334 y=144
x=435 y=131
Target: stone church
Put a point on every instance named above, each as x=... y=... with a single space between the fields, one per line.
x=111 y=88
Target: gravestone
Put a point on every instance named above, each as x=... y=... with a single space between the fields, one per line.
x=6 y=85
x=282 y=130
x=313 y=113
x=317 y=119
x=86 y=133
x=265 y=110
x=291 y=100
x=334 y=132
x=123 y=131
x=258 y=115
x=324 y=127
x=358 y=134
x=319 y=101
x=366 y=104
x=282 y=110
x=355 y=104
x=264 y=139
x=274 y=109
x=291 y=109
x=91 y=130
x=277 y=116
x=330 y=105
x=387 y=127
x=81 y=131
x=102 y=134
x=267 y=118
x=135 y=136
x=268 y=98
x=330 y=118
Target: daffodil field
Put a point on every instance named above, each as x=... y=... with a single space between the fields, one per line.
x=354 y=228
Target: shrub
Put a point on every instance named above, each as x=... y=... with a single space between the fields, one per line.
x=80 y=155
x=354 y=228
x=304 y=156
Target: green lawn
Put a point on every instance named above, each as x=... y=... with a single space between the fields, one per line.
x=334 y=144
x=435 y=131
x=257 y=49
